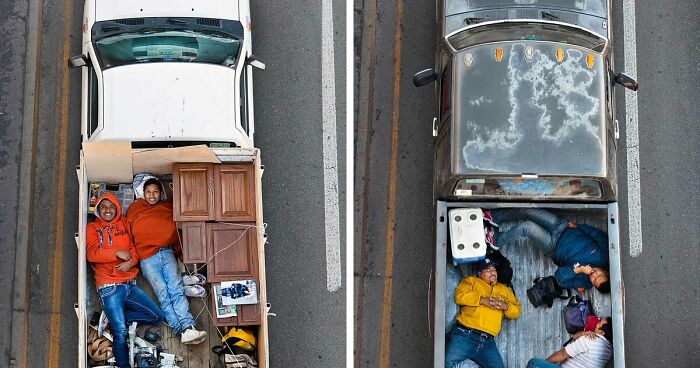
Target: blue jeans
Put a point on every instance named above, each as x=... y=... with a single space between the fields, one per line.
x=124 y=304
x=541 y=363
x=463 y=345
x=542 y=226
x=162 y=273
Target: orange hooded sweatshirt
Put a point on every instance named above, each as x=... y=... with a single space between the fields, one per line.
x=152 y=226
x=103 y=240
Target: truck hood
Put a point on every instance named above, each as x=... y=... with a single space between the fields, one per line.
x=170 y=101
x=121 y=9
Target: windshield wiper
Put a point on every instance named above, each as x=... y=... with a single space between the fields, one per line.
x=472 y=20
x=549 y=16
x=176 y=21
x=111 y=28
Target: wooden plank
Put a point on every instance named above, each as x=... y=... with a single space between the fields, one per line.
x=198 y=355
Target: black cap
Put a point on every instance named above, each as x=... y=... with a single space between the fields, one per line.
x=485 y=263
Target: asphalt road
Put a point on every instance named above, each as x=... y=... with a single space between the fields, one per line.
x=393 y=194
x=309 y=330
x=39 y=149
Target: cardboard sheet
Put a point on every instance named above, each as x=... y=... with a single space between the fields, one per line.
x=160 y=161
x=108 y=162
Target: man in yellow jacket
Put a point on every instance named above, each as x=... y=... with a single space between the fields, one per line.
x=483 y=304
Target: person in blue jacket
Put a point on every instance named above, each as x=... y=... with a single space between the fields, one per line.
x=580 y=250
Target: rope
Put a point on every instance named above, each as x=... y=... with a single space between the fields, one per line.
x=99 y=349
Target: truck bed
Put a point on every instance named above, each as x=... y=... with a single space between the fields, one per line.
x=195 y=356
x=538 y=332
x=159 y=161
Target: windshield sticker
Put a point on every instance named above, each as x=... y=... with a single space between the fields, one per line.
x=589 y=61
x=552 y=107
x=468 y=59
x=499 y=54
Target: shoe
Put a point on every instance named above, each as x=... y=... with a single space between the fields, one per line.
x=103 y=324
x=192 y=336
x=195 y=291
x=194 y=279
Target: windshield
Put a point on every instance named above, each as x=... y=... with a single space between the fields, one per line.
x=540 y=110
x=166 y=46
x=524 y=30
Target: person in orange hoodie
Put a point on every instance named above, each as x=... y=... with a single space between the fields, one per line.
x=113 y=256
x=154 y=234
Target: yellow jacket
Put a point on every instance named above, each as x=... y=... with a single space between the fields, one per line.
x=479 y=317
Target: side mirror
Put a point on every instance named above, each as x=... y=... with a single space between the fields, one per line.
x=626 y=81
x=424 y=77
x=78 y=61
x=255 y=63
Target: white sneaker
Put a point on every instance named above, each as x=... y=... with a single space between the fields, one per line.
x=195 y=291
x=192 y=336
x=103 y=324
x=194 y=279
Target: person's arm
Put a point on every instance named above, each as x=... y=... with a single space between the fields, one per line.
x=568 y=279
x=134 y=255
x=466 y=295
x=94 y=252
x=513 y=309
x=600 y=238
x=559 y=356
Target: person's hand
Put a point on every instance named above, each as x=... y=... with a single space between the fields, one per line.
x=588 y=334
x=124 y=255
x=493 y=303
x=571 y=224
x=587 y=269
x=124 y=266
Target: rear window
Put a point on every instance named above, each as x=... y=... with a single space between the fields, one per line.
x=521 y=187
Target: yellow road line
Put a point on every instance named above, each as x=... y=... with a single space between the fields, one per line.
x=55 y=323
x=385 y=323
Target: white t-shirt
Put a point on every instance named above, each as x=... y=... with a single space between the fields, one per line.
x=588 y=353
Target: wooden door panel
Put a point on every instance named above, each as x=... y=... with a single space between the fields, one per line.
x=234 y=187
x=234 y=251
x=194 y=242
x=194 y=192
x=248 y=314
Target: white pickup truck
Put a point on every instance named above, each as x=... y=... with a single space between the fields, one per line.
x=167 y=82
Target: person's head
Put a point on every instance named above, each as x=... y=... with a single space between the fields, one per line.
x=605 y=328
x=152 y=191
x=600 y=279
x=107 y=210
x=486 y=270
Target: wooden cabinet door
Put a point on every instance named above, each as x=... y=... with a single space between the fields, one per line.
x=248 y=314
x=194 y=242
x=234 y=251
x=193 y=190
x=234 y=188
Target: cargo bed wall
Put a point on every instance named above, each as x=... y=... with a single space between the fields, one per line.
x=538 y=332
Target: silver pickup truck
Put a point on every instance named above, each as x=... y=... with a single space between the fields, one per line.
x=525 y=118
